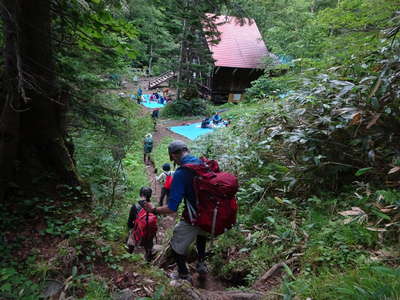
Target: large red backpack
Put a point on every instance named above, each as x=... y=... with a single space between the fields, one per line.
x=215 y=196
x=168 y=181
x=144 y=227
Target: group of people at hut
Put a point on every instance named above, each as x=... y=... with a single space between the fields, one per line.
x=156 y=96
x=215 y=121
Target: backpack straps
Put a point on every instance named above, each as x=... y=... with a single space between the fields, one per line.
x=200 y=170
x=191 y=211
x=147 y=223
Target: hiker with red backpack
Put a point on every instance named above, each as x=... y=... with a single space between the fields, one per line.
x=210 y=205
x=165 y=178
x=142 y=225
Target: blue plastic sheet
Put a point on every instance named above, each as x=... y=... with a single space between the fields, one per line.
x=150 y=104
x=191 y=131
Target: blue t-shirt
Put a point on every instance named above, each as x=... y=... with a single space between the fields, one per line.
x=217 y=118
x=182 y=184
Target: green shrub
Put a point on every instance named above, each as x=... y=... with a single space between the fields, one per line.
x=229 y=240
x=101 y=155
x=16 y=285
x=365 y=283
x=263 y=87
x=261 y=259
x=160 y=154
x=336 y=245
x=183 y=107
x=96 y=289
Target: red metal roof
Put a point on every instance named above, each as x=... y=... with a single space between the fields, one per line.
x=240 y=46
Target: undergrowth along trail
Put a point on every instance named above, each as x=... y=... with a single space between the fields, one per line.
x=162 y=136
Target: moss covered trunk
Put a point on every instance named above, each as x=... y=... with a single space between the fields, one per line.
x=32 y=111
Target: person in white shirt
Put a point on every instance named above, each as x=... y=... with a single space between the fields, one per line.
x=165 y=178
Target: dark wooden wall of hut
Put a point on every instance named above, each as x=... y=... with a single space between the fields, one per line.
x=231 y=80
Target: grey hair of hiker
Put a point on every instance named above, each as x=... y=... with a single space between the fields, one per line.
x=177 y=146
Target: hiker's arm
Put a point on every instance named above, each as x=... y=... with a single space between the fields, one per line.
x=162 y=210
x=159 y=178
x=132 y=216
x=177 y=190
x=165 y=210
x=175 y=197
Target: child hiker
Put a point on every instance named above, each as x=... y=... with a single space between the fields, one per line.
x=142 y=225
x=165 y=178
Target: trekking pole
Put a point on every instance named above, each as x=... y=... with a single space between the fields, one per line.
x=155 y=190
x=214 y=221
x=155 y=181
x=147 y=230
x=155 y=185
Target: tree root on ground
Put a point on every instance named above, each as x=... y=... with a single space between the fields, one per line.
x=196 y=294
x=272 y=270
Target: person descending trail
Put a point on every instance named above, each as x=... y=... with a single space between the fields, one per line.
x=165 y=178
x=184 y=187
x=139 y=95
x=184 y=233
x=147 y=148
x=142 y=225
x=154 y=115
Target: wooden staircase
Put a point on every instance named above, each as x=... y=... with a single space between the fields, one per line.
x=160 y=79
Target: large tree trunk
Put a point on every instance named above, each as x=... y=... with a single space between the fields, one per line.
x=32 y=110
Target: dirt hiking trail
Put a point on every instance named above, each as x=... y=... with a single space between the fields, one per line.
x=212 y=288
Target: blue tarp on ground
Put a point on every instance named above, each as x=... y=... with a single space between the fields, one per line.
x=191 y=131
x=150 y=104
x=146 y=101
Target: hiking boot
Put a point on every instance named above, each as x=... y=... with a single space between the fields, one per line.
x=201 y=267
x=149 y=256
x=130 y=248
x=185 y=277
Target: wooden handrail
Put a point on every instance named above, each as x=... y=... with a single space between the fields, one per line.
x=161 y=78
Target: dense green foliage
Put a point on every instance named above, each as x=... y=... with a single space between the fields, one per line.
x=370 y=282
x=157 y=49
x=316 y=153
x=103 y=159
x=322 y=30
x=315 y=147
x=81 y=226
x=183 y=107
